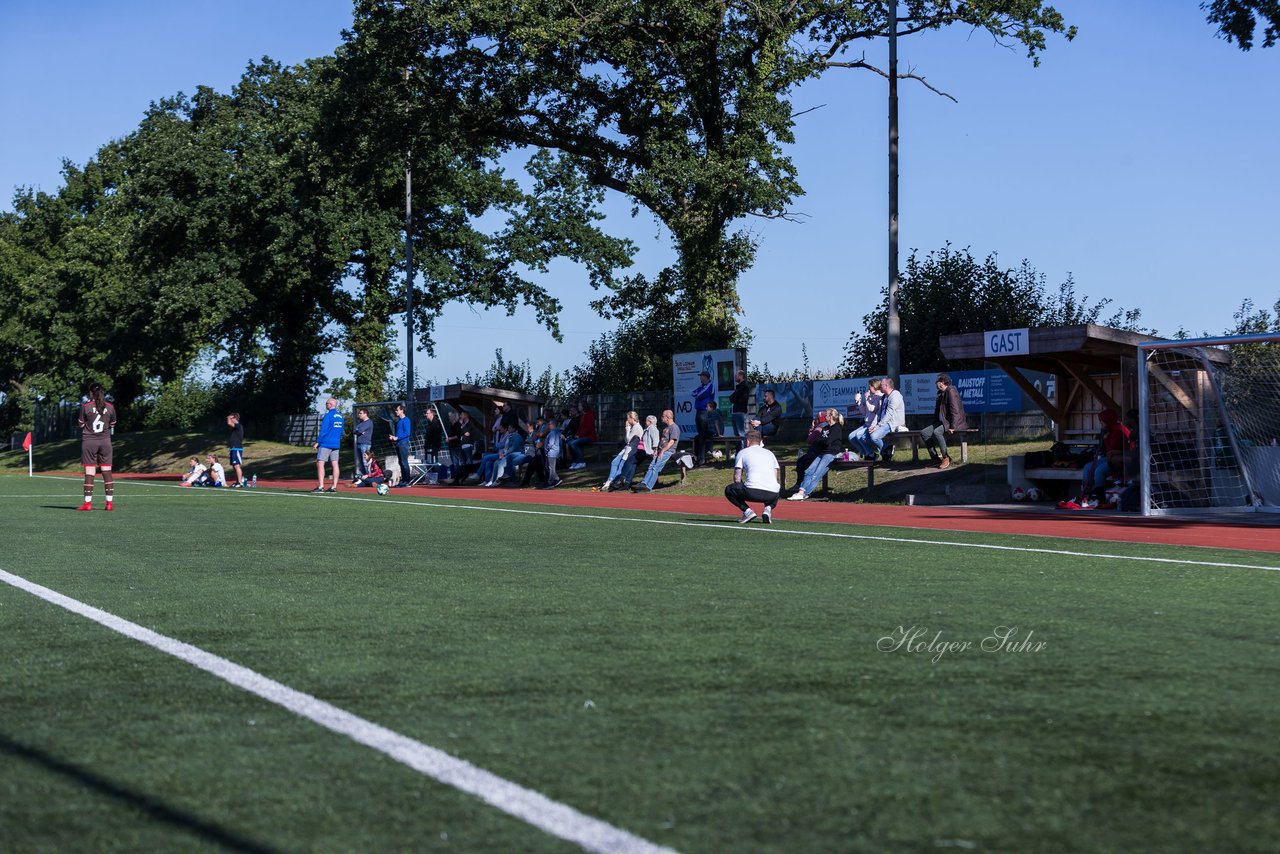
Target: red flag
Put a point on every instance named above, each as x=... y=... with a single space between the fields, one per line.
x=26 y=443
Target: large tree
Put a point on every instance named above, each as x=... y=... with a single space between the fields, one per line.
x=683 y=106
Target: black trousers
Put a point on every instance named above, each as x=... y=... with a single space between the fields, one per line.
x=739 y=495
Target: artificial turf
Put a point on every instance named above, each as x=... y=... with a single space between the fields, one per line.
x=707 y=686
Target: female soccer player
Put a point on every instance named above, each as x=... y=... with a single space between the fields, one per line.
x=97 y=418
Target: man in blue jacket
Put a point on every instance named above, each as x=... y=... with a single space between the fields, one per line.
x=400 y=439
x=327 y=443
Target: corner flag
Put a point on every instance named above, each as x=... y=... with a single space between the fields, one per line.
x=26 y=443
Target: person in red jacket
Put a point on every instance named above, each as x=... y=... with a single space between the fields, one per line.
x=585 y=435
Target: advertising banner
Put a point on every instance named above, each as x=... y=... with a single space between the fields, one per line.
x=982 y=391
x=841 y=395
x=722 y=365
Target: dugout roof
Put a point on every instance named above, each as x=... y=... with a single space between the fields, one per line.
x=481 y=398
x=1096 y=367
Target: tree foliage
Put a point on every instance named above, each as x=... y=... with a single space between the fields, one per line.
x=949 y=292
x=1238 y=20
x=683 y=106
x=264 y=226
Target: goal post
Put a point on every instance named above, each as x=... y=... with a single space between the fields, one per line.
x=1209 y=425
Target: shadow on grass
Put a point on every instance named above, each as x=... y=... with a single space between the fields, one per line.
x=149 y=806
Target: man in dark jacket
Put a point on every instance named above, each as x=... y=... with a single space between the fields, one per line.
x=948 y=417
x=766 y=420
x=738 y=406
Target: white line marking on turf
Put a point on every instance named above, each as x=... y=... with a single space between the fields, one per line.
x=557 y=819
x=773 y=530
x=778 y=531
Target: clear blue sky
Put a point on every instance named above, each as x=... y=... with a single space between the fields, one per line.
x=1140 y=158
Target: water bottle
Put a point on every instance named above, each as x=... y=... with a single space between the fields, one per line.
x=253 y=483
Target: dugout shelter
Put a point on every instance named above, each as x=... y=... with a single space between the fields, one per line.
x=1095 y=368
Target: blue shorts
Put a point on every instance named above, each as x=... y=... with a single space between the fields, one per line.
x=237 y=456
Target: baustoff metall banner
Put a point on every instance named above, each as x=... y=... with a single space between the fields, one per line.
x=981 y=391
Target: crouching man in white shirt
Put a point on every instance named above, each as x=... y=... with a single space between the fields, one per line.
x=755 y=478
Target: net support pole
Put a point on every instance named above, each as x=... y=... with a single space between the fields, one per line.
x=1144 y=434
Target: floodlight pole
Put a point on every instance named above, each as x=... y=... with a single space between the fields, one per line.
x=894 y=327
x=408 y=270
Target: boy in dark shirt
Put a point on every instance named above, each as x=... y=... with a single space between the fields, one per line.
x=236 y=443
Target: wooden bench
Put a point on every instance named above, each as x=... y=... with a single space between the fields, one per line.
x=1020 y=475
x=837 y=465
x=901 y=438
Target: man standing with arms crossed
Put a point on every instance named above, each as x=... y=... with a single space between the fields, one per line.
x=327 y=443
x=401 y=441
x=364 y=443
x=755 y=478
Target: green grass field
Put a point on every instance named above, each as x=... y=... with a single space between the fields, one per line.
x=703 y=685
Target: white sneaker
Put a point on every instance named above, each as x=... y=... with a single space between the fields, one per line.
x=799 y=496
x=747 y=516
x=767 y=518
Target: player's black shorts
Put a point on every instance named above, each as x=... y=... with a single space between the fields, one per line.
x=95 y=451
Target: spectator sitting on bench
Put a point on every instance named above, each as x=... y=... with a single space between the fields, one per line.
x=890 y=415
x=518 y=453
x=948 y=417
x=832 y=427
x=710 y=426
x=538 y=456
x=632 y=433
x=816 y=444
x=868 y=405
x=489 y=462
x=766 y=420
x=512 y=446
x=584 y=434
x=645 y=450
x=667 y=444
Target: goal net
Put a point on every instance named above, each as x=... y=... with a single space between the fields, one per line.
x=429 y=462
x=1209 y=415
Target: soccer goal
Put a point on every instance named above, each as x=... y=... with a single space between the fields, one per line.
x=1209 y=416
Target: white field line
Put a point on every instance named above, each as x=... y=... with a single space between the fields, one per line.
x=770 y=530
x=557 y=819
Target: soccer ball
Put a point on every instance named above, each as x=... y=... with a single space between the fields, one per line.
x=1035 y=494
x=1019 y=494
x=382 y=488
x=717 y=455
